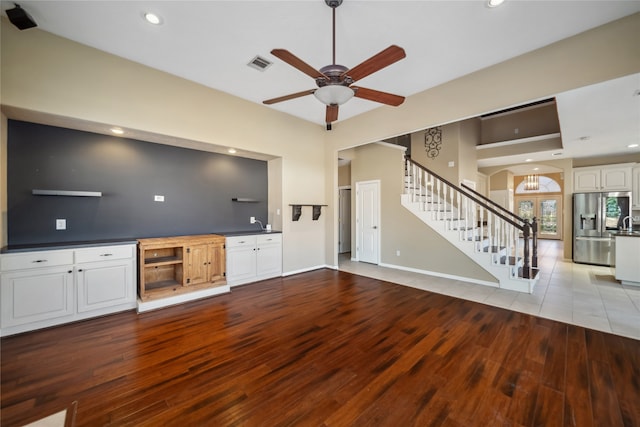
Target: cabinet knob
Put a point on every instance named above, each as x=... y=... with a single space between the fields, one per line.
x=79 y=269
x=70 y=271
x=40 y=260
x=106 y=255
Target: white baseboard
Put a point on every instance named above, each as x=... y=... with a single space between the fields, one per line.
x=179 y=299
x=443 y=275
x=304 y=270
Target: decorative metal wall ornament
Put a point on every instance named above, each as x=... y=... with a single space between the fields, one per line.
x=433 y=141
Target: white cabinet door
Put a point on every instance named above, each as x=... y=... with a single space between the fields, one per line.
x=616 y=179
x=635 y=195
x=104 y=284
x=241 y=265
x=269 y=260
x=586 y=180
x=36 y=295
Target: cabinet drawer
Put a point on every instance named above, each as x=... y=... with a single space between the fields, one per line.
x=241 y=241
x=269 y=238
x=104 y=253
x=28 y=260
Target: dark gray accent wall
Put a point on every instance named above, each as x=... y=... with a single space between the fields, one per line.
x=197 y=186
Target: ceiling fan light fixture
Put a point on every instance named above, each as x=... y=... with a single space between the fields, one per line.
x=334 y=94
x=152 y=18
x=494 y=3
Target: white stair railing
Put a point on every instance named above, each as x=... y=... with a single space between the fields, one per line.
x=476 y=220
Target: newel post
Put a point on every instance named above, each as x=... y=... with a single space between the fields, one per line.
x=526 y=230
x=534 y=227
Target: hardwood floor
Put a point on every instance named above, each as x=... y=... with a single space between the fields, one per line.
x=324 y=348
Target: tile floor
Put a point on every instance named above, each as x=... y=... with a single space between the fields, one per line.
x=578 y=294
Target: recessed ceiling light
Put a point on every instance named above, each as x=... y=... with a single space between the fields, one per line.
x=117 y=131
x=494 y=3
x=584 y=138
x=232 y=150
x=152 y=18
x=529 y=160
x=632 y=145
x=535 y=169
x=556 y=154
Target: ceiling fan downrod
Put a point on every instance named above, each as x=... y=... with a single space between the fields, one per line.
x=333 y=4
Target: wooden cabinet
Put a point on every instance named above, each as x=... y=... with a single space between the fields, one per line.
x=602 y=178
x=253 y=257
x=171 y=266
x=205 y=263
x=45 y=288
x=635 y=192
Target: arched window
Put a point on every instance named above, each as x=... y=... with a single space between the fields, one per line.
x=547 y=185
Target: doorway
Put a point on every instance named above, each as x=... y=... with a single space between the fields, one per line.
x=344 y=220
x=368 y=221
x=548 y=211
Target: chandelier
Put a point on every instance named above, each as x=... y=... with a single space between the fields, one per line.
x=532 y=182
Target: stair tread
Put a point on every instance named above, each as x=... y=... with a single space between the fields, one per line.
x=512 y=260
x=534 y=273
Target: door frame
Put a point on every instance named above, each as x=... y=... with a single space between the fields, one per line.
x=536 y=198
x=359 y=184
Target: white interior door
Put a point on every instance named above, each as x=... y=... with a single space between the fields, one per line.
x=368 y=221
x=344 y=221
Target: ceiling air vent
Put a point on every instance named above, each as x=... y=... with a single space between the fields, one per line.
x=259 y=63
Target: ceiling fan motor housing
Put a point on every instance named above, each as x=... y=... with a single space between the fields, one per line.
x=334 y=73
x=333 y=3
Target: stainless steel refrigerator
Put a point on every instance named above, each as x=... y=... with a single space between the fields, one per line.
x=595 y=216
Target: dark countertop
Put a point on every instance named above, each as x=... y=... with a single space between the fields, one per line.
x=106 y=242
x=248 y=232
x=66 y=245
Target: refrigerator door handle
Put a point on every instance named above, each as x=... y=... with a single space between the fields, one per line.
x=599 y=224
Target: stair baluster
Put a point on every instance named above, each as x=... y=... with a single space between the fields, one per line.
x=472 y=217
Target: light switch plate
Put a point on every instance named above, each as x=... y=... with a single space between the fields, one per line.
x=61 y=224
x=158 y=198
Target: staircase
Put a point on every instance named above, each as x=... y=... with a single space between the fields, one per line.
x=496 y=239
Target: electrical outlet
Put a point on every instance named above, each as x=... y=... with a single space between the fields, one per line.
x=397 y=253
x=61 y=224
x=252 y=220
x=158 y=198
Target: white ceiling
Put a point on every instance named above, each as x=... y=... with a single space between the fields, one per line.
x=211 y=42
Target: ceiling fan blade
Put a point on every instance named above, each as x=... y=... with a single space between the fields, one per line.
x=332 y=113
x=377 y=96
x=298 y=63
x=377 y=62
x=288 y=97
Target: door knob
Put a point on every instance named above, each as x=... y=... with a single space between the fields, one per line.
x=375 y=227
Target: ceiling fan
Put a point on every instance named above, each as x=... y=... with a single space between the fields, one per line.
x=334 y=81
